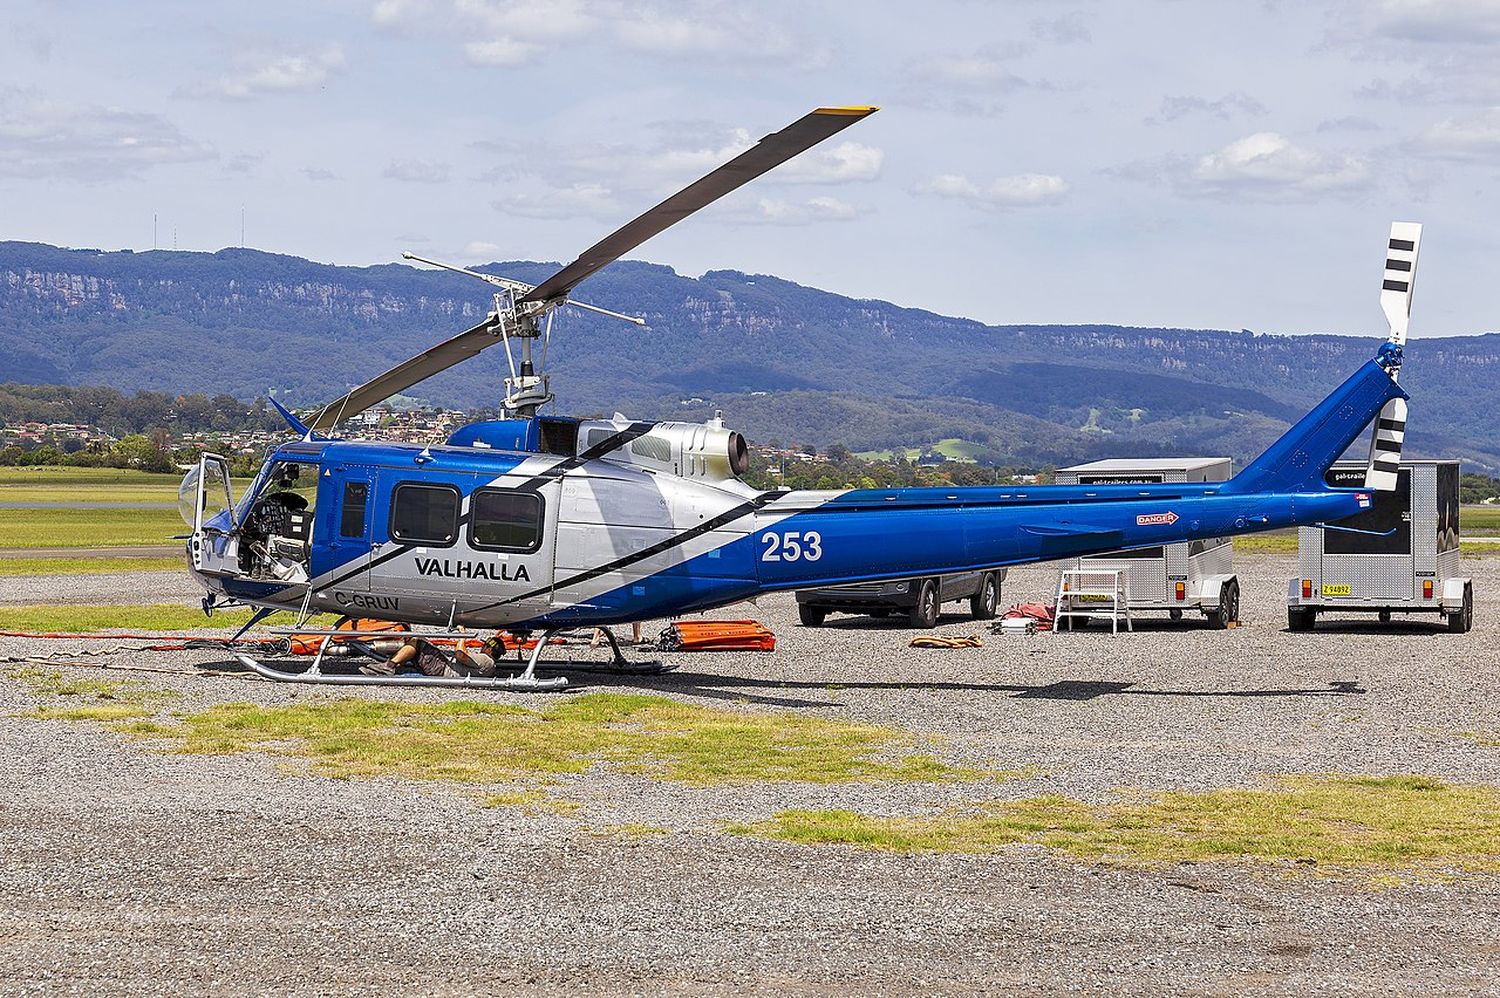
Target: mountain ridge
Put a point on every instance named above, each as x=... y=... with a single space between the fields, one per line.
x=766 y=350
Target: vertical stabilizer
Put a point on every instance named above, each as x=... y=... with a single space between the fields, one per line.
x=1298 y=461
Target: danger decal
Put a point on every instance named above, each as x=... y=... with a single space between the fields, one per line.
x=1153 y=519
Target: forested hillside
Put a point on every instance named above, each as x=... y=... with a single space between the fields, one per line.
x=783 y=361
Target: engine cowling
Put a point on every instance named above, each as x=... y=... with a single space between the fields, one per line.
x=705 y=452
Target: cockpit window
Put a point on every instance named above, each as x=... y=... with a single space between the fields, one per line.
x=291 y=479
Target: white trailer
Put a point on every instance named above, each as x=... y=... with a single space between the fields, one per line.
x=1399 y=556
x=1191 y=575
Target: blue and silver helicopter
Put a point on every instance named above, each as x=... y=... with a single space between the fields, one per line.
x=538 y=523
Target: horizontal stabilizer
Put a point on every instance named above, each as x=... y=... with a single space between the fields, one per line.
x=1059 y=541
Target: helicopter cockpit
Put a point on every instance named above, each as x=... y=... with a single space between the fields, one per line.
x=276 y=530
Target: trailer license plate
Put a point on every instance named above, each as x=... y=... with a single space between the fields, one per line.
x=1337 y=589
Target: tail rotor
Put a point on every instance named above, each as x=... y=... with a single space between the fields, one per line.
x=1395 y=300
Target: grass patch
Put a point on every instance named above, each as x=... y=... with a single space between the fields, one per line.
x=64 y=475
x=470 y=742
x=14 y=567
x=533 y=802
x=85 y=528
x=81 y=618
x=1479 y=519
x=1365 y=825
x=67 y=698
x=61 y=484
x=1271 y=542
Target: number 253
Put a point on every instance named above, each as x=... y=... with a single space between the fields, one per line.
x=792 y=546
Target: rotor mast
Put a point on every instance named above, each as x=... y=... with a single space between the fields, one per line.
x=527 y=388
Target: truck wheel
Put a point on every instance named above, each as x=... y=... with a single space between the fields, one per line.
x=811 y=616
x=1174 y=615
x=984 y=604
x=925 y=612
x=1385 y=616
x=1229 y=607
x=1460 y=621
x=1300 y=618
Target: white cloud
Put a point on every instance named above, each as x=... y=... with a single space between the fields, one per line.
x=1441 y=22
x=1474 y=137
x=987 y=69
x=243 y=163
x=581 y=200
x=968 y=83
x=44 y=138
x=1449 y=46
x=1348 y=123
x=503 y=51
x=1224 y=108
x=511 y=33
x=774 y=211
x=1019 y=191
x=843 y=163
x=1064 y=30
x=1267 y=166
x=271 y=73
x=418 y=171
x=479 y=248
x=317 y=173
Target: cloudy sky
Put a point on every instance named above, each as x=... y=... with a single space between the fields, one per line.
x=1218 y=164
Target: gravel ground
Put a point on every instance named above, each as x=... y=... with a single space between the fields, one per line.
x=126 y=869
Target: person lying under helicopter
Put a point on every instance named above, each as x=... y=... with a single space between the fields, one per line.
x=469 y=658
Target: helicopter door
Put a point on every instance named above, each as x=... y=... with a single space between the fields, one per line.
x=207 y=489
x=344 y=550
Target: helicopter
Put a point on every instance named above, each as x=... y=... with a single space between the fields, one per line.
x=539 y=523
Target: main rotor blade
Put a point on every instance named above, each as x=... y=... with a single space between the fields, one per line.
x=768 y=153
x=401 y=377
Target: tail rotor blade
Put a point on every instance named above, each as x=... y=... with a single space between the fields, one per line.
x=1400 y=277
x=1395 y=300
x=1385 y=447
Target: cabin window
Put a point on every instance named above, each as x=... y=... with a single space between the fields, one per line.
x=504 y=520
x=352 y=515
x=424 y=514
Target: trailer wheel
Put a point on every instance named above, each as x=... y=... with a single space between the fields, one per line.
x=1300 y=618
x=1460 y=621
x=1228 y=611
x=1385 y=616
x=985 y=603
x=924 y=613
x=1174 y=615
x=811 y=616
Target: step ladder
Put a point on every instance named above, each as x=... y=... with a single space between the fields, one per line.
x=1087 y=594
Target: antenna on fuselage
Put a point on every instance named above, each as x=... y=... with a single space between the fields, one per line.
x=1395 y=300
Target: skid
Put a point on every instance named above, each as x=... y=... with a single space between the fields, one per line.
x=521 y=683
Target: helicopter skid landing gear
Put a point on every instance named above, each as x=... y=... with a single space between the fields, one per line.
x=527 y=682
